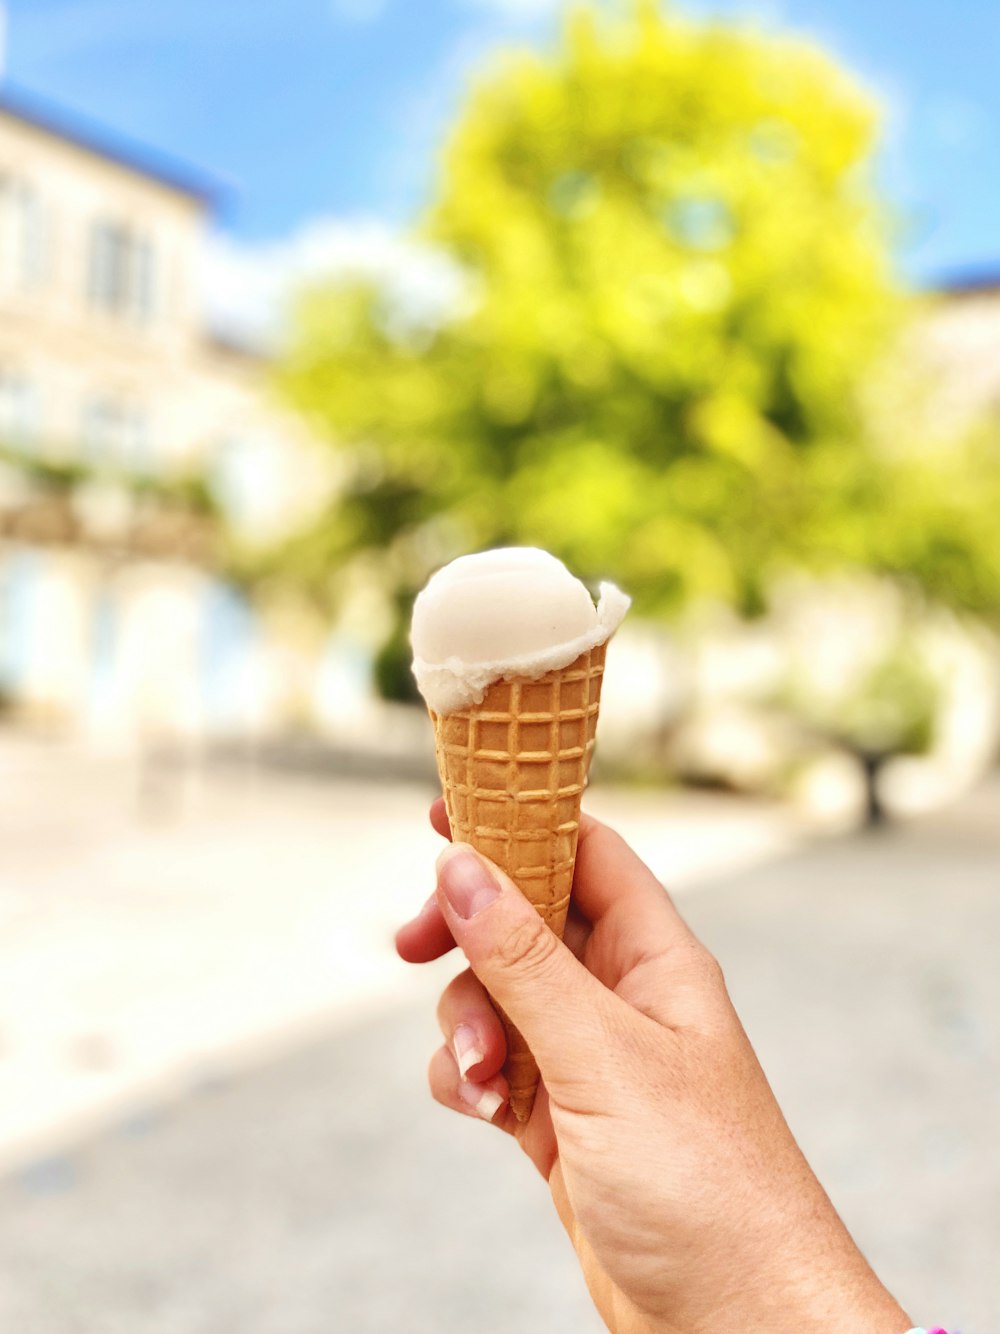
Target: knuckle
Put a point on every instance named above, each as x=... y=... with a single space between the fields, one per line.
x=714 y=977
x=527 y=947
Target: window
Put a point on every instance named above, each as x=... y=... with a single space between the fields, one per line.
x=145 y=280
x=23 y=242
x=20 y=411
x=116 y=434
x=122 y=272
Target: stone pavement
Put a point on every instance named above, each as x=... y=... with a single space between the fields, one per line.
x=162 y=926
x=321 y=1192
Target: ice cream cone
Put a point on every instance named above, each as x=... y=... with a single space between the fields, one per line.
x=513 y=770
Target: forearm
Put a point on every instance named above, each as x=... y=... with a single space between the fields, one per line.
x=820 y=1284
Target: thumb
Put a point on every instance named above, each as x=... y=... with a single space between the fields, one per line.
x=559 y=1007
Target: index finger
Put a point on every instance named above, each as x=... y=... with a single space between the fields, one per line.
x=612 y=879
x=439 y=818
x=608 y=876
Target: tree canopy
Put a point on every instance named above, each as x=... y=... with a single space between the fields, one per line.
x=677 y=276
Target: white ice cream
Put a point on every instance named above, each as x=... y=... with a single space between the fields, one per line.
x=512 y=612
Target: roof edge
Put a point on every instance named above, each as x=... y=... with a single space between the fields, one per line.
x=68 y=124
x=981 y=280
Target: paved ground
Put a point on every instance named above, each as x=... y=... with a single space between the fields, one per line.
x=323 y=1193
x=162 y=927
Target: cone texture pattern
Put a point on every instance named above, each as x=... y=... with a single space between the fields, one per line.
x=513 y=770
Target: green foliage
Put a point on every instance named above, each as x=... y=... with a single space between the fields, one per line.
x=393 y=678
x=896 y=710
x=927 y=519
x=677 y=276
x=48 y=474
x=893 y=709
x=188 y=491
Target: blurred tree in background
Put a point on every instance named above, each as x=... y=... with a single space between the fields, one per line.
x=677 y=278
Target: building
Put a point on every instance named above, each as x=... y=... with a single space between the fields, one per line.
x=128 y=437
x=957 y=353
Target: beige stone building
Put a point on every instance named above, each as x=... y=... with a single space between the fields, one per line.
x=112 y=392
x=957 y=355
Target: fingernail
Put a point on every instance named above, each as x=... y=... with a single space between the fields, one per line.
x=466 y=1047
x=468 y=884
x=483 y=1101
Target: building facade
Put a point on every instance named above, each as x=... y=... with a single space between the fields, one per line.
x=128 y=437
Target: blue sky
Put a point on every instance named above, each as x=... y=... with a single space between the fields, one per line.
x=324 y=112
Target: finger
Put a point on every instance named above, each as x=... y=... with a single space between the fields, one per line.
x=562 y=1011
x=472 y=1028
x=426 y=937
x=577 y=927
x=644 y=949
x=439 y=818
x=611 y=879
x=608 y=872
x=486 y=1100
x=576 y=932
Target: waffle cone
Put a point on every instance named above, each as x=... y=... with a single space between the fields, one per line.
x=513 y=770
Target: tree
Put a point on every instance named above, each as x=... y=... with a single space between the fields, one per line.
x=677 y=276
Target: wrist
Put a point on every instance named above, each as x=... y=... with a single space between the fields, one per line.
x=811 y=1295
x=877 y=1313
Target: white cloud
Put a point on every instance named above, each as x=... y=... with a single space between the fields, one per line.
x=247 y=287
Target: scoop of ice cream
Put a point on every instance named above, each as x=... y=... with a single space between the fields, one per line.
x=516 y=611
x=500 y=604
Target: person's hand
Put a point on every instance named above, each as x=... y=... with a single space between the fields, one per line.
x=691 y=1208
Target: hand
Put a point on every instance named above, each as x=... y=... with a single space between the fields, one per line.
x=689 y=1204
